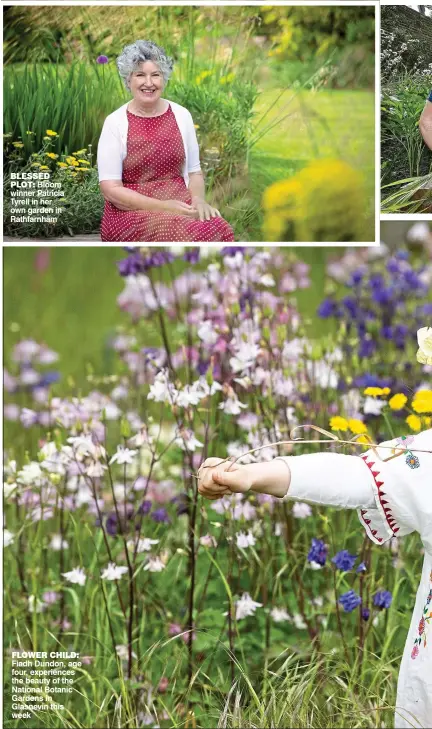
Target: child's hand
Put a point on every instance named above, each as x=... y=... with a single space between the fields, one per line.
x=215 y=480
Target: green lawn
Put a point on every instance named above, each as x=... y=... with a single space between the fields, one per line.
x=316 y=124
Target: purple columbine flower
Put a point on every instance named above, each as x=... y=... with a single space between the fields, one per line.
x=318 y=552
x=361 y=567
x=365 y=613
x=161 y=516
x=231 y=250
x=344 y=560
x=327 y=308
x=382 y=599
x=145 y=507
x=349 y=601
x=192 y=255
x=102 y=59
x=112 y=524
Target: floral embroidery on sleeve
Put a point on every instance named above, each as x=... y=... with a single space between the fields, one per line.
x=425 y=620
x=411 y=460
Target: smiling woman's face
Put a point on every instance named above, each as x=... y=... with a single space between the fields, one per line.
x=146 y=84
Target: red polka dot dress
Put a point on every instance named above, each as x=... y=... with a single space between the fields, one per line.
x=153 y=167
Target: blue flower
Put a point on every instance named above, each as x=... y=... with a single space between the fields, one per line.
x=231 y=250
x=365 y=613
x=192 y=255
x=344 y=560
x=349 y=601
x=145 y=507
x=160 y=515
x=361 y=567
x=318 y=552
x=382 y=599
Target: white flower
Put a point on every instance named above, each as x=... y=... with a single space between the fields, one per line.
x=9 y=489
x=154 y=564
x=207 y=333
x=77 y=576
x=30 y=474
x=208 y=541
x=299 y=622
x=95 y=470
x=301 y=510
x=162 y=390
x=232 y=406
x=279 y=615
x=188 y=396
x=113 y=572
x=267 y=280
x=424 y=338
x=245 y=356
x=123 y=652
x=123 y=455
x=35 y=605
x=315 y=565
x=8 y=538
x=246 y=606
x=56 y=543
x=187 y=441
x=245 y=540
x=278 y=529
x=144 y=544
x=373 y=406
x=419 y=232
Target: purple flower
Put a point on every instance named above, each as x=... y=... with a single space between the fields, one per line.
x=111 y=524
x=102 y=59
x=160 y=515
x=318 y=552
x=382 y=599
x=327 y=308
x=145 y=507
x=231 y=250
x=349 y=601
x=192 y=255
x=365 y=613
x=361 y=567
x=344 y=560
x=182 y=501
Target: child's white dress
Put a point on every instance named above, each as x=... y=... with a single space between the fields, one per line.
x=394 y=498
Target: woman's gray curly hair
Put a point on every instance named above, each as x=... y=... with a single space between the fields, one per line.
x=139 y=52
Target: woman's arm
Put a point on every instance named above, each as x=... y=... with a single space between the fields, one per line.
x=125 y=199
x=426 y=124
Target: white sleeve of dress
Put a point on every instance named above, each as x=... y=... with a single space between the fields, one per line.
x=109 y=159
x=193 y=148
x=394 y=497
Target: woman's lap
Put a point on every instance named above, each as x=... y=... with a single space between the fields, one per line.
x=162 y=227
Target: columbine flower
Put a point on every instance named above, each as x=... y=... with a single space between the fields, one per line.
x=301 y=510
x=424 y=338
x=245 y=607
x=344 y=560
x=361 y=568
x=208 y=541
x=349 y=601
x=154 y=564
x=187 y=441
x=123 y=455
x=77 y=576
x=123 y=652
x=57 y=543
x=8 y=538
x=113 y=572
x=279 y=615
x=35 y=605
x=245 y=540
x=144 y=544
x=232 y=406
x=318 y=552
x=382 y=599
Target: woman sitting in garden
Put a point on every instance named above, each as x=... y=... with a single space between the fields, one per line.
x=426 y=122
x=148 y=161
x=393 y=492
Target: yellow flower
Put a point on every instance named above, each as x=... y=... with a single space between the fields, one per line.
x=227 y=79
x=61 y=164
x=373 y=391
x=357 y=426
x=18 y=145
x=83 y=169
x=386 y=391
x=338 y=423
x=323 y=202
x=414 y=423
x=35 y=164
x=196 y=126
x=51 y=155
x=398 y=401
x=72 y=161
x=44 y=167
x=201 y=76
x=84 y=162
x=422 y=401
x=427 y=421
x=363 y=439
x=50 y=133
x=80 y=151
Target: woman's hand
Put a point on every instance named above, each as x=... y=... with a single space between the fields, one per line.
x=215 y=480
x=205 y=211
x=177 y=207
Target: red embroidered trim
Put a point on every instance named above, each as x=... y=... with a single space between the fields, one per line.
x=391 y=521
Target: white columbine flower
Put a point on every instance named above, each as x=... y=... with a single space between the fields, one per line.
x=424 y=338
x=144 y=544
x=207 y=333
x=279 y=615
x=301 y=510
x=35 y=605
x=113 y=572
x=154 y=564
x=187 y=441
x=232 y=406
x=30 y=474
x=246 y=606
x=8 y=538
x=123 y=652
x=123 y=455
x=245 y=356
x=208 y=541
x=162 y=390
x=77 y=576
x=56 y=543
x=95 y=470
x=245 y=540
